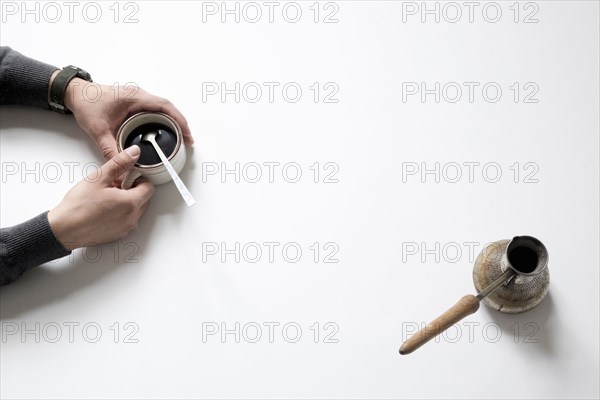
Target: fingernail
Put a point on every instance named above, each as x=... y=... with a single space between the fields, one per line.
x=133 y=151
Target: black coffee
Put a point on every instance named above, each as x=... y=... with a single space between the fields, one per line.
x=523 y=259
x=165 y=138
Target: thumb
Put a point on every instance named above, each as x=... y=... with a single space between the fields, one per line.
x=119 y=164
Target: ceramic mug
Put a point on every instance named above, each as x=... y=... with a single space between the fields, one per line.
x=156 y=173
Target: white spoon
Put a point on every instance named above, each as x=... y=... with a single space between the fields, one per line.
x=185 y=193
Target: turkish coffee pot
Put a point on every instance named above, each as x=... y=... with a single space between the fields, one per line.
x=510 y=276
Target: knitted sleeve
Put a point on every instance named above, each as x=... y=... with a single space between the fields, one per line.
x=23 y=80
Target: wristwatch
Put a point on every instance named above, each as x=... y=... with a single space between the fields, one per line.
x=59 y=87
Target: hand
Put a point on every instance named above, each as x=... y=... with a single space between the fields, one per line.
x=96 y=210
x=100 y=110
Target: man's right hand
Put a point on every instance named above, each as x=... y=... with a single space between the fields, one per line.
x=96 y=210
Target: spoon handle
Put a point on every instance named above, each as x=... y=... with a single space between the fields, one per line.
x=183 y=190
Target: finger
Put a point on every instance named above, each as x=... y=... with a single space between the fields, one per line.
x=158 y=104
x=140 y=212
x=171 y=110
x=119 y=164
x=142 y=191
x=143 y=209
x=107 y=145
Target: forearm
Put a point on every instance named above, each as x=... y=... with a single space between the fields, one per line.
x=24 y=80
x=27 y=245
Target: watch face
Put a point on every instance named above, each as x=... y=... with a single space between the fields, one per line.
x=84 y=75
x=81 y=73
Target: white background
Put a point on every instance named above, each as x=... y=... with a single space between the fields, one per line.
x=378 y=289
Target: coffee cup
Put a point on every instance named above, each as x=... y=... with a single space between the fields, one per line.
x=147 y=166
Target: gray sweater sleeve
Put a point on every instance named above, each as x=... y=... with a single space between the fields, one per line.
x=23 y=80
x=24 y=246
x=27 y=245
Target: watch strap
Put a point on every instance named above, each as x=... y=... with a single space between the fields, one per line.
x=59 y=87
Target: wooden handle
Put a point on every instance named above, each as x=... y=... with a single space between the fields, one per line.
x=467 y=305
